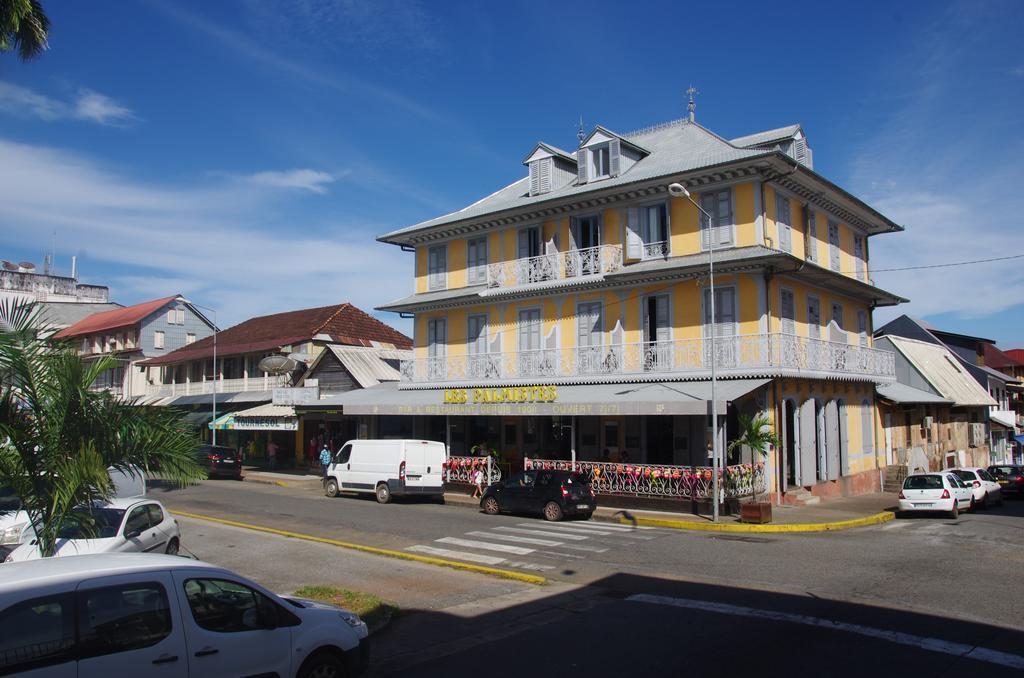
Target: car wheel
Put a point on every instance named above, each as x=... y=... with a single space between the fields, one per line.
x=984 y=502
x=552 y=512
x=490 y=505
x=331 y=488
x=322 y=665
x=383 y=493
x=172 y=547
x=955 y=513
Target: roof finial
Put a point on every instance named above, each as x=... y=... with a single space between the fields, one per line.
x=581 y=132
x=691 y=107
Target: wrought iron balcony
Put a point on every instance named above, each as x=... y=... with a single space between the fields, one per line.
x=556 y=266
x=769 y=354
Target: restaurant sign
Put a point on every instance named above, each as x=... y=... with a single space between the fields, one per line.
x=508 y=394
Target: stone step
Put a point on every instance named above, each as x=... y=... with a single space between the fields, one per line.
x=800 y=497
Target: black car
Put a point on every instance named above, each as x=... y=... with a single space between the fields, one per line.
x=220 y=462
x=553 y=494
x=1009 y=477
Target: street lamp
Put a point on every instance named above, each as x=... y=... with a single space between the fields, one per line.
x=677 y=190
x=214 y=312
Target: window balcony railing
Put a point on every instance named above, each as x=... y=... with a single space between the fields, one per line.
x=591 y=261
x=691 y=358
x=263 y=382
x=656 y=250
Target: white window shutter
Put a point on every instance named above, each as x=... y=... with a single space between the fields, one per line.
x=634 y=242
x=582 y=160
x=535 y=177
x=614 y=162
x=544 y=178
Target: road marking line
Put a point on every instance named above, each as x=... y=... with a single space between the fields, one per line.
x=898 y=637
x=472 y=543
x=528 y=566
x=567 y=529
x=537 y=542
x=390 y=553
x=607 y=526
x=459 y=555
x=515 y=538
x=555 y=554
x=542 y=533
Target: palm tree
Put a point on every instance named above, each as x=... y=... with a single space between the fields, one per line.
x=755 y=433
x=24 y=27
x=58 y=437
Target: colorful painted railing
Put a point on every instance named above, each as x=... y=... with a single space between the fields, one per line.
x=656 y=480
x=461 y=470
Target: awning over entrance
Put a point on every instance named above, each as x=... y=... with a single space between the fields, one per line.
x=1019 y=439
x=260 y=418
x=908 y=395
x=668 y=398
x=197 y=419
x=228 y=397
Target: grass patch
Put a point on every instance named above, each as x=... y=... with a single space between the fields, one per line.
x=374 y=611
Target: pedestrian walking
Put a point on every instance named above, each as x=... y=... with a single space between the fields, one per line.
x=272 y=455
x=325 y=460
x=478 y=481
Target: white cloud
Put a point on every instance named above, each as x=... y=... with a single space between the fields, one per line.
x=221 y=242
x=310 y=180
x=87 y=105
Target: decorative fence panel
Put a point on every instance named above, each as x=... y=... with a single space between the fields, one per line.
x=461 y=470
x=656 y=480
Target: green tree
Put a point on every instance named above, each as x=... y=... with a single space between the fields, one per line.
x=23 y=27
x=755 y=433
x=58 y=437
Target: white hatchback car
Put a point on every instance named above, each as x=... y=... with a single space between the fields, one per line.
x=123 y=525
x=125 y=614
x=984 y=488
x=940 y=491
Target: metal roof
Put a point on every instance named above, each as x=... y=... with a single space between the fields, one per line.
x=903 y=394
x=680 y=398
x=366 y=365
x=60 y=314
x=943 y=371
x=116 y=318
x=765 y=137
x=267 y=410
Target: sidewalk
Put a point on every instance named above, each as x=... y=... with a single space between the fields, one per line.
x=834 y=514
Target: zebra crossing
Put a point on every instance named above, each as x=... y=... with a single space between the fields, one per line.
x=535 y=546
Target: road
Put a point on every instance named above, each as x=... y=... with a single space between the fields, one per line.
x=930 y=577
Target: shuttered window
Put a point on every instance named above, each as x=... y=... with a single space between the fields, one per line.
x=437 y=337
x=600 y=161
x=476 y=260
x=787 y=312
x=529 y=330
x=725 y=312
x=589 y=323
x=783 y=222
x=814 y=317
x=837 y=314
x=862 y=327
x=540 y=176
x=718 y=230
x=654 y=230
x=833 y=245
x=437 y=267
x=812 y=235
x=158 y=339
x=476 y=334
x=858 y=256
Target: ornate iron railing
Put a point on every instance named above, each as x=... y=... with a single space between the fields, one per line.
x=659 y=480
x=461 y=470
x=734 y=355
x=555 y=266
x=655 y=250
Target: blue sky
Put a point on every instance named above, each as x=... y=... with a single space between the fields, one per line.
x=246 y=153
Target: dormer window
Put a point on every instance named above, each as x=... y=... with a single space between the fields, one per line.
x=550 y=169
x=600 y=161
x=540 y=176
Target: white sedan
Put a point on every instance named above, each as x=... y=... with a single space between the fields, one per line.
x=941 y=491
x=984 y=488
x=122 y=526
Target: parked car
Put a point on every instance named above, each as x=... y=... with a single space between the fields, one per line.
x=985 y=491
x=553 y=494
x=15 y=527
x=943 y=491
x=387 y=468
x=1010 y=478
x=220 y=461
x=133 y=615
x=123 y=525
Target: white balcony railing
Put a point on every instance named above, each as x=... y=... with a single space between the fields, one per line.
x=656 y=250
x=261 y=383
x=734 y=355
x=555 y=266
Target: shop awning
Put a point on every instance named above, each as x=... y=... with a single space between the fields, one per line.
x=902 y=394
x=225 y=422
x=231 y=397
x=197 y=419
x=1019 y=439
x=667 y=398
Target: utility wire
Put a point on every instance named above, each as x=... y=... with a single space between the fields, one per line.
x=947 y=265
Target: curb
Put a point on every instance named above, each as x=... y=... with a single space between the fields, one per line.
x=389 y=553
x=882 y=517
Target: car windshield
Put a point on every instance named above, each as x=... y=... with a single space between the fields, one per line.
x=9 y=501
x=923 y=483
x=966 y=475
x=1004 y=470
x=98 y=523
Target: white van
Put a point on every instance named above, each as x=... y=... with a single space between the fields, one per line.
x=388 y=468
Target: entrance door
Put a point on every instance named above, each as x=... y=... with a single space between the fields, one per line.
x=530 y=268
x=659 y=440
x=808 y=443
x=789 y=442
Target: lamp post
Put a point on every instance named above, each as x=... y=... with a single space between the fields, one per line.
x=214 y=400
x=677 y=190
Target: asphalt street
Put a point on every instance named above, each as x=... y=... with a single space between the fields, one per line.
x=927 y=594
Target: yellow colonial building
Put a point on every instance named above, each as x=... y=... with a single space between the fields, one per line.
x=566 y=317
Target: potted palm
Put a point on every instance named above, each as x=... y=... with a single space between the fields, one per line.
x=756 y=434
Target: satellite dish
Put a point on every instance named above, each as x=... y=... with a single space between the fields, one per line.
x=277 y=364
x=26 y=266
x=9 y=265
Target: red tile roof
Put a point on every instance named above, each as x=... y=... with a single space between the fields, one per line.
x=1016 y=354
x=114 y=319
x=343 y=323
x=996 y=359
